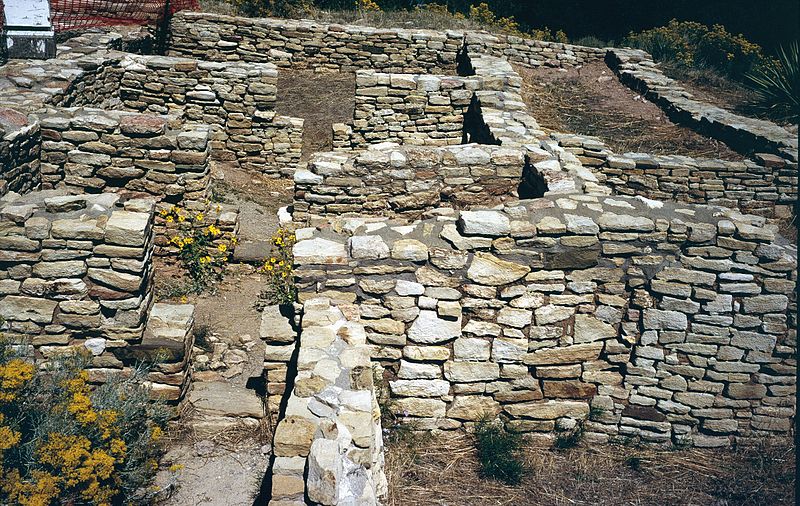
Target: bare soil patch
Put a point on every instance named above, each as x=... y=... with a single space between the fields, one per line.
x=445 y=471
x=321 y=99
x=591 y=101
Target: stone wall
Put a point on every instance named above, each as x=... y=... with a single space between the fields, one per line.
x=333 y=47
x=311 y=45
x=332 y=423
x=636 y=69
x=238 y=99
x=766 y=186
x=407 y=181
x=406 y=108
x=20 y=140
x=95 y=150
x=76 y=277
x=632 y=318
x=76 y=271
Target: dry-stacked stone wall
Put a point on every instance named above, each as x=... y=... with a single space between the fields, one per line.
x=406 y=181
x=766 y=185
x=331 y=47
x=76 y=277
x=747 y=135
x=329 y=445
x=310 y=45
x=406 y=108
x=76 y=271
x=238 y=99
x=633 y=318
x=20 y=141
x=94 y=150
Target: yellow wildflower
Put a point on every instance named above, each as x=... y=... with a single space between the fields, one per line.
x=170 y=219
x=198 y=217
x=222 y=248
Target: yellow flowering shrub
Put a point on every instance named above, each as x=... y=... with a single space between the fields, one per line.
x=367 y=5
x=201 y=246
x=64 y=442
x=279 y=268
x=693 y=44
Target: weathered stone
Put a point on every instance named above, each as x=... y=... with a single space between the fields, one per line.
x=489 y=223
x=490 y=270
x=428 y=328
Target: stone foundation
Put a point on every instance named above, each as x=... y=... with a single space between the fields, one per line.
x=635 y=319
x=332 y=424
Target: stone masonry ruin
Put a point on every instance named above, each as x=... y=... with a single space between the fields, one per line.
x=450 y=254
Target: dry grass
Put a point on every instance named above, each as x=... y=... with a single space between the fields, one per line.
x=444 y=470
x=381 y=19
x=576 y=102
x=321 y=99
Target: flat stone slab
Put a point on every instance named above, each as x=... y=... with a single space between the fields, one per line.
x=218 y=398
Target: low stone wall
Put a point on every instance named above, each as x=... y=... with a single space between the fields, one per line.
x=420 y=110
x=347 y=48
x=20 y=140
x=530 y=52
x=238 y=99
x=76 y=272
x=636 y=69
x=280 y=342
x=633 y=318
x=766 y=186
x=311 y=45
x=407 y=181
x=332 y=425
x=94 y=150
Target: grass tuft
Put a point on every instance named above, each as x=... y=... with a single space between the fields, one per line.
x=500 y=452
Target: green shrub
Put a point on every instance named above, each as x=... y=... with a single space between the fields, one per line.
x=696 y=45
x=284 y=8
x=500 y=452
x=776 y=85
x=62 y=442
x=592 y=41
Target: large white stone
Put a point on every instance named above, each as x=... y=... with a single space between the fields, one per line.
x=487 y=269
x=428 y=328
x=491 y=223
x=368 y=247
x=319 y=251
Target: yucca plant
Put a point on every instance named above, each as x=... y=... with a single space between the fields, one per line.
x=776 y=85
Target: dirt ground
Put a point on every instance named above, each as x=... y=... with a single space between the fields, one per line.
x=445 y=471
x=591 y=101
x=226 y=469
x=322 y=99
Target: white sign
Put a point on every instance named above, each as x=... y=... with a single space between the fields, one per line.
x=28 y=14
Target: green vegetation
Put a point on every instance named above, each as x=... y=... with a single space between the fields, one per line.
x=695 y=45
x=500 y=452
x=776 y=85
x=64 y=442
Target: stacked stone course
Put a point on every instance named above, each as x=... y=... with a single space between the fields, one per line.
x=94 y=150
x=407 y=108
x=333 y=47
x=666 y=323
x=766 y=186
x=332 y=426
x=237 y=99
x=20 y=142
x=747 y=135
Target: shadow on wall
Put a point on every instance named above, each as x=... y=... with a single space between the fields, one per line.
x=464 y=66
x=533 y=184
x=475 y=129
